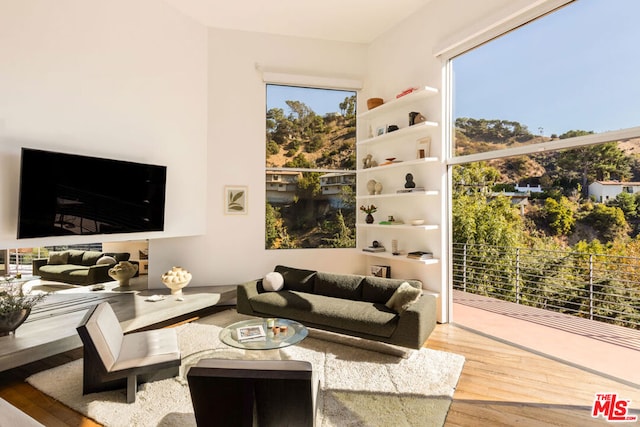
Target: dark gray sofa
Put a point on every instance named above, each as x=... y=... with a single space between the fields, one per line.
x=343 y=303
x=76 y=267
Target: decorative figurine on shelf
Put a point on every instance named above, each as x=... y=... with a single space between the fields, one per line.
x=392 y=128
x=378 y=188
x=369 y=209
x=394 y=247
x=368 y=162
x=409 y=181
x=415 y=118
x=371 y=187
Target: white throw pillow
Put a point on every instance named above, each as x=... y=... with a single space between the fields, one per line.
x=403 y=297
x=273 y=281
x=106 y=260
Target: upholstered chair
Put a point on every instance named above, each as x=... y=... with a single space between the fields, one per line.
x=114 y=360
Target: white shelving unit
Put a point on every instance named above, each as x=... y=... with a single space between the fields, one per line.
x=396 y=155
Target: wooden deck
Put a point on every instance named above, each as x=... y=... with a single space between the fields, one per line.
x=501 y=385
x=599 y=347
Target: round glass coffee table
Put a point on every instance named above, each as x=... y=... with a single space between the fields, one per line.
x=261 y=336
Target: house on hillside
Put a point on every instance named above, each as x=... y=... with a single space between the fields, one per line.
x=281 y=186
x=332 y=183
x=606 y=190
x=529 y=189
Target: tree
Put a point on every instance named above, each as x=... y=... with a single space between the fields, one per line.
x=474 y=177
x=348 y=107
x=344 y=236
x=559 y=215
x=627 y=203
x=594 y=162
x=608 y=221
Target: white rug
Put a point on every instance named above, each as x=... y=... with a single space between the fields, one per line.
x=358 y=387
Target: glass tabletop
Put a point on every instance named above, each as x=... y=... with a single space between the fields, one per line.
x=259 y=335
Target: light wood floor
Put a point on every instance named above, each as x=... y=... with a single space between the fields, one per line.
x=500 y=385
x=504 y=385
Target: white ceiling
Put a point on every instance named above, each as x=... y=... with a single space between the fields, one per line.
x=358 y=21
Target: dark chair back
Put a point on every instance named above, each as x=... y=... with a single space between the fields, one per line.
x=234 y=392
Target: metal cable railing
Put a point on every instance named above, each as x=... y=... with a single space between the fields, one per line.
x=599 y=287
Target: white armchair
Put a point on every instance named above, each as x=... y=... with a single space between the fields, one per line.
x=113 y=360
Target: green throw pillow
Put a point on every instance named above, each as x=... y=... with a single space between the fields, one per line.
x=403 y=297
x=58 y=258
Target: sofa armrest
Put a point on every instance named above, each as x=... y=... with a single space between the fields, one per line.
x=417 y=322
x=245 y=292
x=37 y=263
x=99 y=273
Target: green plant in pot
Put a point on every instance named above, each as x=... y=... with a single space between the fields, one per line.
x=15 y=305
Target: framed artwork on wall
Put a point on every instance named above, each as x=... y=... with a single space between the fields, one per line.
x=235 y=200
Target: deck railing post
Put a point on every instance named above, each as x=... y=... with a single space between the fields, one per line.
x=591 y=286
x=464 y=268
x=517 y=275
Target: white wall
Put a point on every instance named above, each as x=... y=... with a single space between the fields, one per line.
x=232 y=251
x=123 y=79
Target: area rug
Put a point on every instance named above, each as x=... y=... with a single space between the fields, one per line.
x=358 y=387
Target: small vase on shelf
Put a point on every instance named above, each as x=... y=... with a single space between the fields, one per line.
x=369 y=219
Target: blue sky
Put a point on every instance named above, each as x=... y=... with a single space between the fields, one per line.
x=322 y=102
x=577 y=68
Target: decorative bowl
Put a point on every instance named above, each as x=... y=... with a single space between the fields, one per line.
x=176 y=279
x=374 y=102
x=122 y=272
x=417 y=221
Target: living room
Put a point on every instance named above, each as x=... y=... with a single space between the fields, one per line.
x=142 y=81
x=145 y=83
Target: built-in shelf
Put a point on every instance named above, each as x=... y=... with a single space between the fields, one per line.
x=427 y=193
x=402 y=132
x=401 y=257
x=400 y=226
x=404 y=143
x=423 y=92
x=413 y=162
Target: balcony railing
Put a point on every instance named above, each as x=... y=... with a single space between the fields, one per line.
x=599 y=287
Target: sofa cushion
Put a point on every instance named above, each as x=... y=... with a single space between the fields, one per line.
x=105 y=259
x=380 y=289
x=58 y=258
x=273 y=281
x=91 y=257
x=336 y=313
x=119 y=256
x=403 y=297
x=75 y=256
x=296 y=279
x=348 y=286
x=63 y=272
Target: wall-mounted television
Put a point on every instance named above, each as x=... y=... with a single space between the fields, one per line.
x=68 y=194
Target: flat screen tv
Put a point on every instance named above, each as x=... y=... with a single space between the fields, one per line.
x=68 y=194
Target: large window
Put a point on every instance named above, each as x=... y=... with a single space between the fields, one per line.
x=310 y=168
x=546 y=163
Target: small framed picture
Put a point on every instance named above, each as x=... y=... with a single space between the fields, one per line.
x=381 y=271
x=235 y=200
x=381 y=130
x=424 y=147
